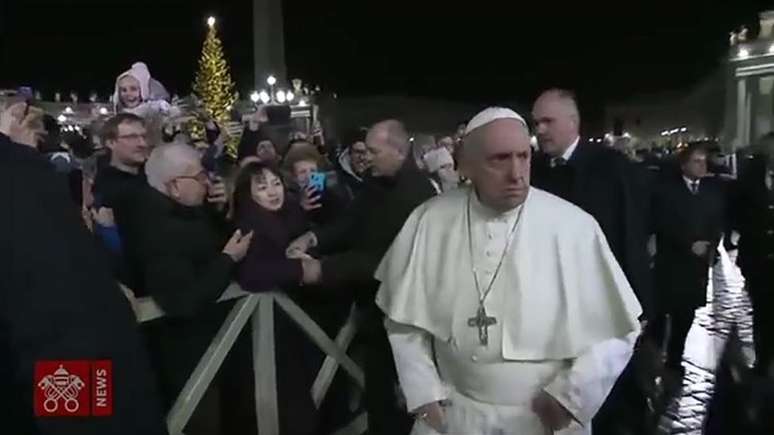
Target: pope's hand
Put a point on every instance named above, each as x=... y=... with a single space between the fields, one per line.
x=301 y=245
x=551 y=412
x=432 y=415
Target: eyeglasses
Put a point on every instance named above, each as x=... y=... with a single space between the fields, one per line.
x=201 y=177
x=134 y=137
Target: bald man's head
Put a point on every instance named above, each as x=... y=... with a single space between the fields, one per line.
x=557 y=121
x=388 y=142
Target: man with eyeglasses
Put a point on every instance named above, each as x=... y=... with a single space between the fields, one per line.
x=186 y=253
x=354 y=162
x=125 y=137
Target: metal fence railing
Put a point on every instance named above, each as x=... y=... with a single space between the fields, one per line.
x=258 y=309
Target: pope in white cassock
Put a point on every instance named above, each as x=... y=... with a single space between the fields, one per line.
x=505 y=308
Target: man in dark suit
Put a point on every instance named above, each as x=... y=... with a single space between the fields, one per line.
x=753 y=216
x=59 y=301
x=688 y=217
x=606 y=185
x=357 y=242
x=597 y=179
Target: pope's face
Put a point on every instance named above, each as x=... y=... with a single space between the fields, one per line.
x=497 y=161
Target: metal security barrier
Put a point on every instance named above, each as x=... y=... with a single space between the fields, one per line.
x=259 y=308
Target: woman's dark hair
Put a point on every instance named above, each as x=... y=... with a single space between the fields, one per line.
x=242 y=196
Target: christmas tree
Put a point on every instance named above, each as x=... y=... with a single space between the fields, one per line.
x=213 y=84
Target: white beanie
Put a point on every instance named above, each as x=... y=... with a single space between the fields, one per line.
x=490 y=115
x=139 y=72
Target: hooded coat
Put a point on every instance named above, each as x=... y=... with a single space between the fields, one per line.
x=153 y=95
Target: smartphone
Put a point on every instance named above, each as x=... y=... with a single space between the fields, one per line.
x=25 y=92
x=317 y=181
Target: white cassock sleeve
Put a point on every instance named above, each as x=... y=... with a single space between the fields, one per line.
x=584 y=386
x=417 y=373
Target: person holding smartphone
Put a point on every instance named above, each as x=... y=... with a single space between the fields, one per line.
x=264 y=206
x=320 y=195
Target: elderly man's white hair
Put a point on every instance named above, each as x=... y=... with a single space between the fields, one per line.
x=167 y=162
x=492 y=114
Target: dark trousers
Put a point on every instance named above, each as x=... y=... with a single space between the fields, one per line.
x=762 y=298
x=681 y=321
x=386 y=414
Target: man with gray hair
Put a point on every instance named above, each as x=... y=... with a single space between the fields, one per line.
x=506 y=310
x=356 y=243
x=187 y=258
x=171 y=208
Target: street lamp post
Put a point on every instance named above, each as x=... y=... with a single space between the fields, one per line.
x=271 y=81
x=264 y=96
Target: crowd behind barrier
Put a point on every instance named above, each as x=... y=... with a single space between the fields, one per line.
x=300 y=216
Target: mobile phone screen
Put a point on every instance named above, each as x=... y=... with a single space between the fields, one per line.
x=317 y=181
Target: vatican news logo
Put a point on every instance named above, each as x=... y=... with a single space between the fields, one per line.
x=73 y=388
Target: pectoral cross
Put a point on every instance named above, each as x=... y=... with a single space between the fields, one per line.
x=482 y=322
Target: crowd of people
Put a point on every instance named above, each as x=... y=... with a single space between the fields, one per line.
x=588 y=255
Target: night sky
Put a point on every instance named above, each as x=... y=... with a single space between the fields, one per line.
x=477 y=51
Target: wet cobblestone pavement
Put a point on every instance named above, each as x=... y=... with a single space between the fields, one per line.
x=728 y=306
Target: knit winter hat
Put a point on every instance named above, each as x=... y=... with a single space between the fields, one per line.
x=139 y=72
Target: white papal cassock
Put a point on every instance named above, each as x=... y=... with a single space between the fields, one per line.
x=566 y=316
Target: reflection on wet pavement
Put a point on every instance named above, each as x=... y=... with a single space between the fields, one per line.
x=728 y=305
